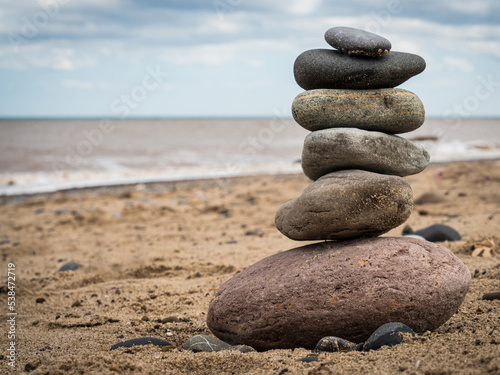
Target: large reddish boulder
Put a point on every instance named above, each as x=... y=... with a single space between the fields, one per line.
x=345 y=289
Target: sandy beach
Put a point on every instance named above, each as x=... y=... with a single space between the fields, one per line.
x=153 y=254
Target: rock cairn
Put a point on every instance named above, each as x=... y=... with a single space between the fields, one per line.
x=350 y=286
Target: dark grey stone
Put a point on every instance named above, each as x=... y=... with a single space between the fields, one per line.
x=346 y=204
x=389 y=334
x=331 y=150
x=386 y=110
x=330 y=69
x=142 y=341
x=334 y=344
x=70 y=266
x=357 y=42
x=205 y=343
x=439 y=233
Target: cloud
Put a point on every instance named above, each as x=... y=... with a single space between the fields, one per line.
x=240 y=44
x=479 y=7
x=459 y=64
x=302 y=7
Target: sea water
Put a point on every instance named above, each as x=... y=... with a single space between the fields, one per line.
x=49 y=155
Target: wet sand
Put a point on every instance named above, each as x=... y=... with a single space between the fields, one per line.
x=160 y=250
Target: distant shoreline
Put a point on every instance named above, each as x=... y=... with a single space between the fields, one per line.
x=174 y=184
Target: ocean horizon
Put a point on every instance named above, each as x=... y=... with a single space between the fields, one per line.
x=47 y=155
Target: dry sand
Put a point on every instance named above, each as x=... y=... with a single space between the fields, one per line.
x=154 y=251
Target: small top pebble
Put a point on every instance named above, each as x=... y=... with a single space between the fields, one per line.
x=357 y=42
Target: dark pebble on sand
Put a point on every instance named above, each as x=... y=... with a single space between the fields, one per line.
x=195 y=276
x=491 y=296
x=40 y=300
x=389 y=334
x=334 y=344
x=142 y=341
x=435 y=233
x=439 y=233
x=28 y=367
x=70 y=266
x=4 y=242
x=309 y=358
x=205 y=343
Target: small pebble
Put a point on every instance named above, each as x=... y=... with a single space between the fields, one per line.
x=205 y=343
x=169 y=319
x=40 y=300
x=491 y=296
x=334 y=344
x=70 y=266
x=309 y=358
x=389 y=334
x=357 y=42
x=30 y=367
x=143 y=341
x=439 y=233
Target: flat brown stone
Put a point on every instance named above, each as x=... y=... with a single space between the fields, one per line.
x=346 y=204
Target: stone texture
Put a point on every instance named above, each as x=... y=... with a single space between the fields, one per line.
x=389 y=334
x=357 y=42
x=346 y=289
x=386 y=110
x=331 y=150
x=205 y=343
x=333 y=344
x=346 y=204
x=330 y=69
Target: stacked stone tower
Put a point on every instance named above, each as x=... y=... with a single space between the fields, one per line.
x=354 y=282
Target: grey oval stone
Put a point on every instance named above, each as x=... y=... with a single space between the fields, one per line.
x=333 y=344
x=357 y=42
x=349 y=289
x=330 y=69
x=389 y=334
x=386 y=110
x=205 y=343
x=346 y=204
x=331 y=150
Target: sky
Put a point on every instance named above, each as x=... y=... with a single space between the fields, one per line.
x=229 y=58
